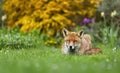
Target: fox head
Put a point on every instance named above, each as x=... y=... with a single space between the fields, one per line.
x=72 y=40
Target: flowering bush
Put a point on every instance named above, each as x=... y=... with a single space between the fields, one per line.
x=50 y=16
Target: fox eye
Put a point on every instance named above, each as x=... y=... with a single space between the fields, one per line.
x=67 y=41
x=75 y=40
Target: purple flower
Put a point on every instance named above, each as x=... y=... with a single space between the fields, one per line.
x=87 y=21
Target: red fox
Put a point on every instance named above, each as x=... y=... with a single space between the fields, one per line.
x=78 y=43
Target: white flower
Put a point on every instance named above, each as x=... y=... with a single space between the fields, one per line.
x=102 y=14
x=113 y=13
x=4 y=17
x=114 y=49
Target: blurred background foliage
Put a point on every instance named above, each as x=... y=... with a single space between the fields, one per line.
x=106 y=28
x=96 y=17
x=50 y=16
x=47 y=14
x=109 y=6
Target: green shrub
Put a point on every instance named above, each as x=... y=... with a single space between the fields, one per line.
x=12 y=39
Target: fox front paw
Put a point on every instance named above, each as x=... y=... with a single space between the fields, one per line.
x=81 y=52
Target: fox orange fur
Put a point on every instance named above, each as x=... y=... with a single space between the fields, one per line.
x=78 y=43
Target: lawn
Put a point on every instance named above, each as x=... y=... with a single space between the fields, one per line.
x=39 y=58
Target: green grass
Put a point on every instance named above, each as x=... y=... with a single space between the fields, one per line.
x=39 y=58
x=50 y=60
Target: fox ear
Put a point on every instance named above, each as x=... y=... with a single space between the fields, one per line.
x=80 y=33
x=65 y=32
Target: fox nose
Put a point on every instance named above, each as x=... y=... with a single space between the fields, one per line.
x=70 y=47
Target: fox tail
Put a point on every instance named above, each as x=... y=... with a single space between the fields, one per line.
x=93 y=51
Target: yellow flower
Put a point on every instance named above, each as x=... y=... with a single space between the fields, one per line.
x=102 y=14
x=113 y=13
x=4 y=17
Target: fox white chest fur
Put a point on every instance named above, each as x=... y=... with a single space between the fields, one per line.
x=68 y=49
